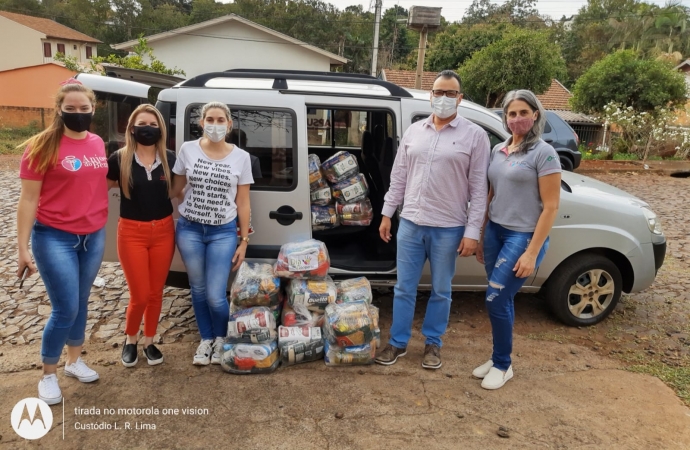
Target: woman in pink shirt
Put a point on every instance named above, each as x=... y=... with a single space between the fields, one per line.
x=63 y=208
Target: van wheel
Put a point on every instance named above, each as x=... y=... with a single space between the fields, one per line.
x=584 y=289
x=566 y=163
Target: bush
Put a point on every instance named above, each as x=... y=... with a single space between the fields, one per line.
x=10 y=138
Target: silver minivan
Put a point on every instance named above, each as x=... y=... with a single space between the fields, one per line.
x=604 y=241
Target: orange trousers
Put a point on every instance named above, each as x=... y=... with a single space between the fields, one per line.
x=145 y=250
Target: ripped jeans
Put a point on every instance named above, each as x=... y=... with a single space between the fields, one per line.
x=502 y=249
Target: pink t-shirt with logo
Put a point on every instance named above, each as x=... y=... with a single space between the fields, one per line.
x=74 y=194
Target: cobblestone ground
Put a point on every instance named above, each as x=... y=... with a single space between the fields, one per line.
x=653 y=323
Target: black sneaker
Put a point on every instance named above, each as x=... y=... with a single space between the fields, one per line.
x=153 y=355
x=129 y=355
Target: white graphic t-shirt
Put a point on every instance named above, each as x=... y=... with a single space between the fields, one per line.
x=211 y=184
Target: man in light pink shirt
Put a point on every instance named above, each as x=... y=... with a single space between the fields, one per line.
x=439 y=175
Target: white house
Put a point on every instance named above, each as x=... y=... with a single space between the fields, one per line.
x=30 y=41
x=232 y=42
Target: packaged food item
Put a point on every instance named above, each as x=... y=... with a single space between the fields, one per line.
x=304 y=318
x=349 y=356
x=374 y=313
x=306 y=259
x=315 y=177
x=255 y=285
x=354 y=290
x=362 y=207
x=250 y=358
x=323 y=217
x=314 y=295
x=348 y=324
x=300 y=344
x=251 y=326
x=351 y=190
x=321 y=196
x=340 y=166
x=322 y=183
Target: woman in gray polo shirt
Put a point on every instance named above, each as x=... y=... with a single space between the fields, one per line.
x=525 y=180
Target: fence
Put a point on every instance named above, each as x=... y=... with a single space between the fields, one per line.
x=18 y=116
x=590 y=135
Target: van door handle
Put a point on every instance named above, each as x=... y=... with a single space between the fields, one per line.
x=286 y=215
x=548 y=141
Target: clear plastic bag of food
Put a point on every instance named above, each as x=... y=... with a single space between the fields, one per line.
x=323 y=218
x=348 y=324
x=374 y=313
x=354 y=290
x=321 y=196
x=304 y=318
x=322 y=183
x=251 y=326
x=250 y=358
x=255 y=285
x=349 y=356
x=300 y=344
x=311 y=295
x=315 y=176
x=306 y=259
x=340 y=166
x=351 y=190
x=358 y=213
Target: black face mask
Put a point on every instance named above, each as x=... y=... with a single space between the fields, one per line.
x=147 y=135
x=77 y=122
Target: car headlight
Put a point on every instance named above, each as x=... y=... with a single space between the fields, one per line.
x=653 y=221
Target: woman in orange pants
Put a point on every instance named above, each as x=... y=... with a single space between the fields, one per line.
x=145 y=231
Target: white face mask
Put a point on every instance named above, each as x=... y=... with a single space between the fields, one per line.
x=444 y=107
x=216 y=133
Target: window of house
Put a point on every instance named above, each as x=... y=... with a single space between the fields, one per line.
x=61 y=48
x=88 y=52
x=267 y=135
x=47 y=52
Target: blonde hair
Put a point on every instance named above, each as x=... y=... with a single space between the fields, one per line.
x=126 y=153
x=214 y=105
x=44 y=147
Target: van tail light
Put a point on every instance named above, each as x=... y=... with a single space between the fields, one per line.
x=577 y=139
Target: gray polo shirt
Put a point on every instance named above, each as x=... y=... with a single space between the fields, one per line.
x=515 y=180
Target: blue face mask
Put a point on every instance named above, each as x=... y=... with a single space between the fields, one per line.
x=444 y=107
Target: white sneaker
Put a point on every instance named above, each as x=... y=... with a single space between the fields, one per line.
x=483 y=370
x=81 y=371
x=48 y=389
x=497 y=378
x=202 y=357
x=217 y=350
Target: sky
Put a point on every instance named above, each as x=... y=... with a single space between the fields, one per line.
x=454 y=9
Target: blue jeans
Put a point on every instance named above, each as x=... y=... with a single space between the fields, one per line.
x=502 y=249
x=207 y=252
x=416 y=244
x=68 y=263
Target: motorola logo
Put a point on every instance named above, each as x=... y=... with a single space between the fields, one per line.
x=31 y=418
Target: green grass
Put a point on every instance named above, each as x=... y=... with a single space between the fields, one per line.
x=10 y=138
x=625 y=157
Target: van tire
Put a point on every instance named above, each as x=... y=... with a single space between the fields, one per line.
x=578 y=283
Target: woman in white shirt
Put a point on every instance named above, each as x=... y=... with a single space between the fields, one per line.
x=216 y=200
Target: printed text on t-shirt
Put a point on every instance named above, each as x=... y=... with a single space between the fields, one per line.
x=211 y=184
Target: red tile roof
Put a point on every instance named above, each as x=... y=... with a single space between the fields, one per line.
x=406 y=78
x=556 y=97
x=49 y=27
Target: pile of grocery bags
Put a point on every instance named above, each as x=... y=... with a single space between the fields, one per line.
x=292 y=312
x=338 y=192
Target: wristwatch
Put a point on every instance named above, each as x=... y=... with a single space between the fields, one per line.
x=245 y=239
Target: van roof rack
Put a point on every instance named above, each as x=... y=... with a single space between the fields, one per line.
x=281 y=77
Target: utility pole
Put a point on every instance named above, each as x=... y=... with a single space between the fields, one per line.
x=423 y=19
x=377 y=23
x=420 y=57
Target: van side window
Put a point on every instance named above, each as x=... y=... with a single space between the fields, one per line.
x=494 y=139
x=267 y=135
x=335 y=127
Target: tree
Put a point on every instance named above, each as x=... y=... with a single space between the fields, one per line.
x=452 y=47
x=625 y=78
x=520 y=12
x=522 y=59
